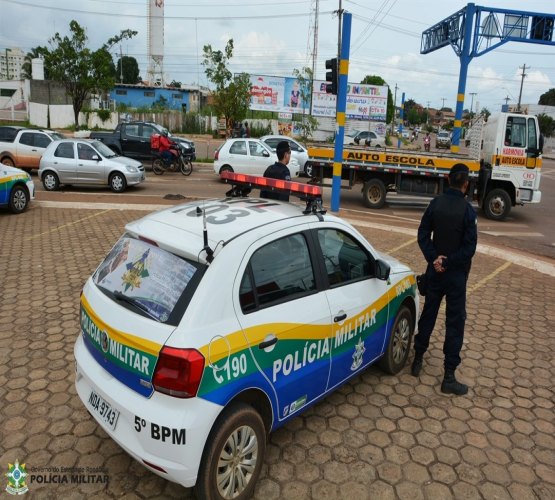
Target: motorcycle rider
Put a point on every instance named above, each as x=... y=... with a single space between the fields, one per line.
x=427 y=141
x=168 y=149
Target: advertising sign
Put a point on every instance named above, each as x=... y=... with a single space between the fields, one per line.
x=282 y=94
x=364 y=102
x=276 y=93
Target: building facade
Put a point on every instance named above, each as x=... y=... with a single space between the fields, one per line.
x=11 y=62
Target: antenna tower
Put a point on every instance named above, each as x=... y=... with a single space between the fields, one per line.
x=156 y=42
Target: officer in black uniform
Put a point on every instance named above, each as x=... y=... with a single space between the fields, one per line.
x=278 y=170
x=452 y=221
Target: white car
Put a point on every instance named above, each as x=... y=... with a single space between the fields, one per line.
x=364 y=137
x=298 y=151
x=248 y=156
x=87 y=162
x=212 y=323
x=16 y=188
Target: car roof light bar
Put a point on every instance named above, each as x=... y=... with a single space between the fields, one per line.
x=243 y=183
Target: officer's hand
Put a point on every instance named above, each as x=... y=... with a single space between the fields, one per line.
x=438 y=264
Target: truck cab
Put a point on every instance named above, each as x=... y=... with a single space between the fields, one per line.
x=511 y=163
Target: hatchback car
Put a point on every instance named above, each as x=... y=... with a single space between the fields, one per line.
x=248 y=156
x=87 y=162
x=212 y=323
x=298 y=151
x=16 y=188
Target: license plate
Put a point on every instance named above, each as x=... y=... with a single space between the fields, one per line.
x=104 y=410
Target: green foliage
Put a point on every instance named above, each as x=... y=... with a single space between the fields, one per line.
x=486 y=112
x=160 y=104
x=547 y=125
x=548 y=98
x=129 y=71
x=27 y=66
x=308 y=123
x=378 y=80
x=232 y=93
x=103 y=114
x=193 y=124
x=175 y=84
x=82 y=70
x=260 y=130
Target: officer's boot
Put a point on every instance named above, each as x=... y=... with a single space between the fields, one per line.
x=416 y=364
x=451 y=386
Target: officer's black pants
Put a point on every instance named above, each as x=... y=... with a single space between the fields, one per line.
x=452 y=285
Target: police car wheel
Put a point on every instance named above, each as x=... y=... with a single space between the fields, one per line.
x=400 y=341
x=373 y=193
x=233 y=455
x=19 y=199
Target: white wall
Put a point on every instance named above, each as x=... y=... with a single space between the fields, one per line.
x=38 y=114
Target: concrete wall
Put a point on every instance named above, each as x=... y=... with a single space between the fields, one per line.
x=38 y=114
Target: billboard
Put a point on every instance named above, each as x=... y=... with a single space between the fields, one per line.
x=282 y=94
x=364 y=102
x=276 y=93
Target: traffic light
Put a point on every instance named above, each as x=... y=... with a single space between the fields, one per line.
x=331 y=76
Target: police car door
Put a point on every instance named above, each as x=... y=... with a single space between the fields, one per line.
x=286 y=320
x=358 y=301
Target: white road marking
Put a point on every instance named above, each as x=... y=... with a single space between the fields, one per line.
x=508 y=233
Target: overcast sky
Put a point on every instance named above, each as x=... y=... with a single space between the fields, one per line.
x=271 y=38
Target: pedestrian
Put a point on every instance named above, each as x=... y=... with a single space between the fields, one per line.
x=447 y=237
x=247 y=130
x=242 y=131
x=278 y=170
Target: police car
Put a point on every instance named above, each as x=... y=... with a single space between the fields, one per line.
x=16 y=188
x=212 y=323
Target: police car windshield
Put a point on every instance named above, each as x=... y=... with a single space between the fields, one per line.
x=144 y=275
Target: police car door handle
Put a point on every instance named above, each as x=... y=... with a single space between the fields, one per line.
x=267 y=343
x=340 y=317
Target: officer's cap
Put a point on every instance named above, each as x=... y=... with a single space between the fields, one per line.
x=459 y=168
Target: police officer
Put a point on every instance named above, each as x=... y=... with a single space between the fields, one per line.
x=452 y=222
x=279 y=170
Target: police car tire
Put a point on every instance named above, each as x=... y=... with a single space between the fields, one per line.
x=373 y=193
x=231 y=420
x=497 y=204
x=19 y=199
x=400 y=342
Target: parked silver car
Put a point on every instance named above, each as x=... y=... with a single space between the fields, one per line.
x=88 y=162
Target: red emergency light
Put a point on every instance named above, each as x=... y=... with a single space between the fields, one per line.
x=295 y=188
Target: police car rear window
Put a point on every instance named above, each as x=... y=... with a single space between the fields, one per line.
x=147 y=277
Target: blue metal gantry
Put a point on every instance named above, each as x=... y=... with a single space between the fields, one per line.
x=474 y=31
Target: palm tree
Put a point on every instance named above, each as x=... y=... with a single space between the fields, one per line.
x=27 y=66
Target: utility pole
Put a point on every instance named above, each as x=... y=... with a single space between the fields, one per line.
x=523 y=68
x=472 y=103
x=394 y=109
x=339 y=14
x=120 y=65
x=427 y=112
x=443 y=102
x=507 y=99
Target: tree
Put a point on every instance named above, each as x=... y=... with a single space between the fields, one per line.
x=378 y=80
x=548 y=98
x=547 y=125
x=81 y=70
x=232 y=94
x=175 y=84
x=308 y=123
x=128 y=68
x=486 y=112
x=27 y=66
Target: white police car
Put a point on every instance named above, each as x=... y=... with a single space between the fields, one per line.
x=16 y=188
x=212 y=323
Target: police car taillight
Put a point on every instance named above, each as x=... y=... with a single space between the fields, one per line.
x=178 y=372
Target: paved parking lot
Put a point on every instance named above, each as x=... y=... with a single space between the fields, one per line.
x=377 y=437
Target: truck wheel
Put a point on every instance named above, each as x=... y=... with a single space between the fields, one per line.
x=158 y=167
x=233 y=455
x=8 y=162
x=50 y=181
x=373 y=194
x=399 y=344
x=118 y=183
x=226 y=168
x=497 y=204
x=19 y=199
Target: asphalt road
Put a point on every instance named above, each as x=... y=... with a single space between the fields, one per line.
x=528 y=229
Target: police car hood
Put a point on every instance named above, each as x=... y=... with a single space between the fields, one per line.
x=5 y=169
x=397 y=267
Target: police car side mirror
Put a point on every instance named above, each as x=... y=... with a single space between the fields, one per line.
x=383 y=269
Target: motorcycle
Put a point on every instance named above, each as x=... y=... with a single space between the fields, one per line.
x=427 y=144
x=182 y=162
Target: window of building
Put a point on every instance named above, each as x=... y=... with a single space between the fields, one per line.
x=121 y=92
x=7 y=92
x=177 y=96
x=149 y=93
